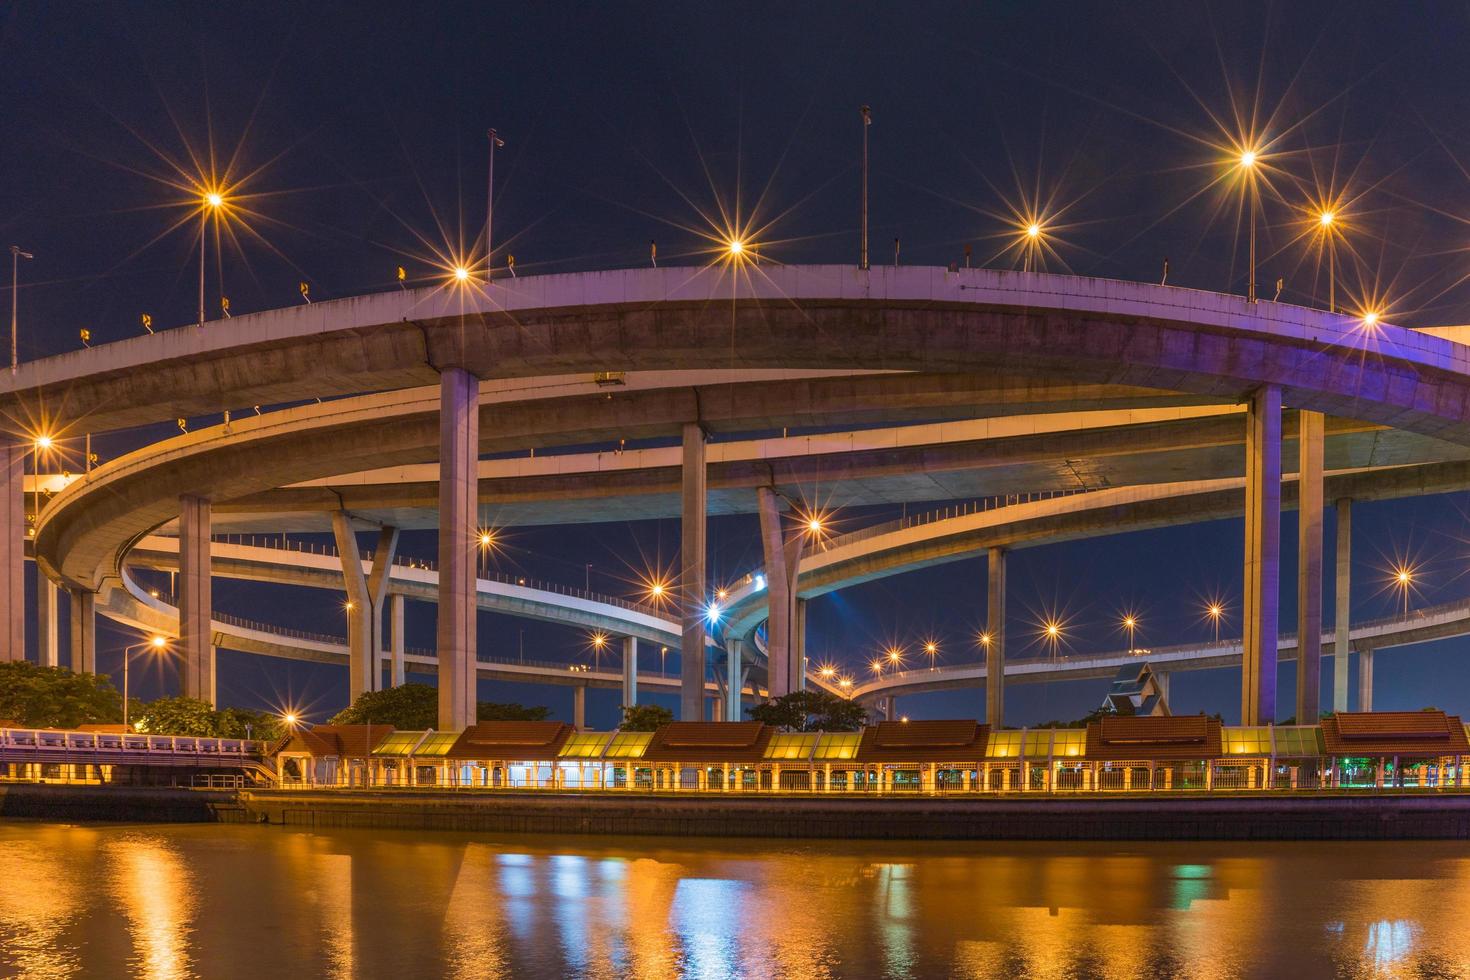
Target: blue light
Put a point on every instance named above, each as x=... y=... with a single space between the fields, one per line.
x=760 y=581
x=713 y=613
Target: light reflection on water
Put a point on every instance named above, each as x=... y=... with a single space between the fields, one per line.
x=212 y=901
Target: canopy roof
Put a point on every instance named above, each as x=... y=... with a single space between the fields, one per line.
x=737 y=741
x=518 y=740
x=1394 y=733
x=1166 y=738
x=924 y=741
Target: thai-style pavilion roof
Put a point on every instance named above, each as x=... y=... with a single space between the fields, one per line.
x=691 y=741
x=1166 y=738
x=1394 y=733
x=924 y=741
x=522 y=741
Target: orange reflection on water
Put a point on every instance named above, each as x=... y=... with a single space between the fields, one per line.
x=155 y=891
x=474 y=932
x=39 y=902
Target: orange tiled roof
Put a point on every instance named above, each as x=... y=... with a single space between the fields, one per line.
x=343 y=741
x=1394 y=733
x=709 y=741
x=1167 y=738
x=528 y=741
x=924 y=741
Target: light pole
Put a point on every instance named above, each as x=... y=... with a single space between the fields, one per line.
x=1326 y=220
x=158 y=643
x=867 y=114
x=1248 y=164
x=42 y=443
x=16 y=254
x=212 y=202
x=490 y=203
x=1130 y=623
x=1215 y=611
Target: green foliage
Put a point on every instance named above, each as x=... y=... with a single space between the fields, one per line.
x=811 y=711
x=645 y=717
x=54 y=697
x=246 y=723
x=413 y=707
x=495 y=711
x=177 y=716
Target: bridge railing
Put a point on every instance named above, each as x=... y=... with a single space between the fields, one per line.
x=43 y=740
x=283 y=543
x=979 y=506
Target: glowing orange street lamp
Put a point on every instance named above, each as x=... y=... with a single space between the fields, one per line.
x=1215 y=611
x=210 y=203
x=156 y=643
x=1248 y=159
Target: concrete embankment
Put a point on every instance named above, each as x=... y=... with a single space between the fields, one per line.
x=114 y=804
x=1386 y=817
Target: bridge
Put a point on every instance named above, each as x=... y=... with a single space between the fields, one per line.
x=974 y=383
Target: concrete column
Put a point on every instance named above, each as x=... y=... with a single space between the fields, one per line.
x=995 y=656
x=1161 y=680
x=798 y=645
x=196 y=613
x=1310 y=432
x=1365 y=680
x=579 y=707
x=13 y=532
x=83 y=632
x=48 y=621
x=1262 y=556
x=459 y=455
x=378 y=581
x=630 y=671
x=1343 y=622
x=782 y=559
x=692 y=602
x=733 y=680
x=395 y=628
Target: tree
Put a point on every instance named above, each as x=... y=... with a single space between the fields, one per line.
x=54 y=697
x=178 y=716
x=494 y=711
x=412 y=707
x=248 y=723
x=645 y=717
x=811 y=711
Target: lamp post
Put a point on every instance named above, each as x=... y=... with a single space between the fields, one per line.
x=1326 y=220
x=159 y=643
x=490 y=204
x=1130 y=623
x=1214 y=610
x=16 y=254
x=867 y=114
x=1248 y=164
x=211 y=203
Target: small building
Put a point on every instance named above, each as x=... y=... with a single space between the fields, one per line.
x=330 y=755
x=1157 y=752
x=922 y=756
x=1420 y=749
x=509 y=754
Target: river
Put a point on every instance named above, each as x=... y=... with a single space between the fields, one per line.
x=268 y=903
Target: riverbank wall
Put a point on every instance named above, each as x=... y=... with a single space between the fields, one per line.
x=1383 y=817
x=118 y=804
x=1406 y=816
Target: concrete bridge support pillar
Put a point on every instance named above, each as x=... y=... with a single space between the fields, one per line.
x=13 y=532
x=630 y=671
x=579 y=707
x=1365 y=680
x=459 y=455
x=782 y=559
x=798 y=644
x=196 y=611
x=1262 y=556
x=48 y=621
x=366 y=594
x=733 y=680
x=83 y=632
x=395 y=632
x=1343 y=622
x=1310 y=426
x=995 y=653
x=692 y=603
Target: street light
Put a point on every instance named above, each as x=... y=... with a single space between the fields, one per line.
x=932 y=649
x=16 y=254
x=158 y=644
x=1214 y=610
x=1248 y=159
x=210 y=203
x=41 y=444
x=1130 y=623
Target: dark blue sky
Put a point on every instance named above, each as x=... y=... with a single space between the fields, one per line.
x=360 y=130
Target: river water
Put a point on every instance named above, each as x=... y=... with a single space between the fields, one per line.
x=270 y=904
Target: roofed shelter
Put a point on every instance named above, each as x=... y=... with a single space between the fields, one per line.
x=1394 y=748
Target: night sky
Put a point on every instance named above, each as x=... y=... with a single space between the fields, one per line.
x=356 y=134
